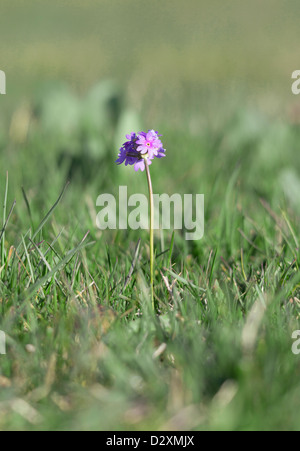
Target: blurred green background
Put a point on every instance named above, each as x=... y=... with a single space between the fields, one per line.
x=155 y=50
x=214 y=77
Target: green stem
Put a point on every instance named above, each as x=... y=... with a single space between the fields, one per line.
x=151 y=231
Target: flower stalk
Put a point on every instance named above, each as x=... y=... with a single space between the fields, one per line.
x=151 y=230
x=139 y=151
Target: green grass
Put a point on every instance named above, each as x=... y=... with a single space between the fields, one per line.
x=84 y=349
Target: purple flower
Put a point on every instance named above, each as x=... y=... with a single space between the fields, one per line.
x=128 y=152
x=140 y=164
x=139 y=147
x=149 y=142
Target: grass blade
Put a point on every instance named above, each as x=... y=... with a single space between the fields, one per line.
x=2 y=233
x=29 y=262
x=48 y=215
x=4 y=220
x=171 y=249
x=58 y=267
x=27 y=206
x=136 y=254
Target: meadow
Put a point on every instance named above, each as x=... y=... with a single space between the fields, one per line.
x=84 y=348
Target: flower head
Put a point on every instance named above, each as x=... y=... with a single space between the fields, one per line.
x=139 y=147
x=149 y=142
x=128 y=152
